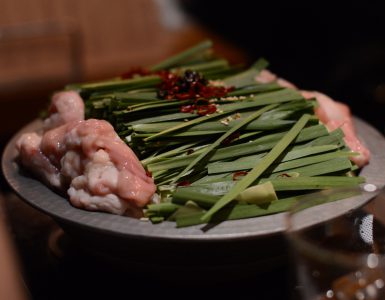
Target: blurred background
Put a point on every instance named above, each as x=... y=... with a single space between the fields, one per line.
x=336 y=48
x=45 y=44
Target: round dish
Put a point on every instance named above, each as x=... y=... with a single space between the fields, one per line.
x=242 y=247
x=41 y=197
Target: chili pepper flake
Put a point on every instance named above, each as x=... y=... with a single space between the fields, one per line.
x=238 y=174
x=191 y=85
x=231 y=138
x=187 y=108
x=284 y=175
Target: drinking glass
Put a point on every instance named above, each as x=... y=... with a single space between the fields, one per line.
x=341 y=258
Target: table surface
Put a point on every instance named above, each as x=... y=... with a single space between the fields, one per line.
x=55 y=267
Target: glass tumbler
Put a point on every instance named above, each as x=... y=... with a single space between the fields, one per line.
x=341 y=258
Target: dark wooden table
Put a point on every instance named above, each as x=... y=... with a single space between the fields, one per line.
x=55 y=267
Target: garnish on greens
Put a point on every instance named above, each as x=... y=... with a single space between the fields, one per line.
x=219 y=144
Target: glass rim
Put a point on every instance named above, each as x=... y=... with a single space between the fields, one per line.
x=305 y=246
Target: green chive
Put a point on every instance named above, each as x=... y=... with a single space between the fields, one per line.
x=222 y=139
x=312 y=183
x=183 y=56
x=250 y=211
x=260 y=168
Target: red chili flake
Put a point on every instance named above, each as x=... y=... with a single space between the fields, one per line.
x=284 y=175
x=230 y=89
x=187 y=108
x=183 y=183
x=191 y=85
x=239 y=174
x=148 y=173
x=212 y=109
x=202 y=110
x=167 y=75
x=231 y=138
x=184 y=96
x=206 y=109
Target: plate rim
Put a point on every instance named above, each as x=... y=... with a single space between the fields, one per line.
x=25 y=186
